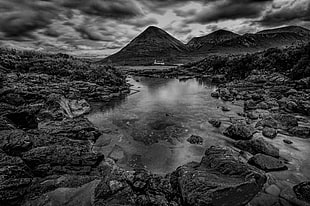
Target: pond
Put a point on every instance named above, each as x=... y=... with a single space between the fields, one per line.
x=149 y=128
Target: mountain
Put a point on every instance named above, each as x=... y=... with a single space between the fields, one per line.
x=279 y=37
x=211 y=39
x=152 y=44
x=156 y=44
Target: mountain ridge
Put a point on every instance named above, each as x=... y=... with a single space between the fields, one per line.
x=156 y=44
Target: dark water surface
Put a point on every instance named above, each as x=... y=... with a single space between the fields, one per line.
x=148 y=129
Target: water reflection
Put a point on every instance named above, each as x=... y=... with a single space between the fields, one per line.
x=151 y=126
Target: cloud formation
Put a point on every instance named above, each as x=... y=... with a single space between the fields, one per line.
x=108 y=25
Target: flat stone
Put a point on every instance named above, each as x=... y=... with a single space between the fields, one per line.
x=267 y=163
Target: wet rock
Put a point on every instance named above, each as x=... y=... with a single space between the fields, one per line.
x=267 y=122
x=302 y=132
x=286 y=141
x=83 y=196
x=218 y=79
x=225 y=109
x=117 y=153
x=302 y=191
x=263 y=199
x=253 y=115
x=221 y=178
x=286 y=121
x=76 y=129
x=258 y=145
x=215 y=123
x=14 y=142
x=56 y=159
x=267 y=163
x=269 y=132
x=239 y=131
x=215 y=94
x=195 y=139
x=273 y=190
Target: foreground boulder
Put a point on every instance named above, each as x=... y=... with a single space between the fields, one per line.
x=302 y=191
x=239 y=131
x=195 y=139
x=221 y=178
x=258 y=145
x=267 y=163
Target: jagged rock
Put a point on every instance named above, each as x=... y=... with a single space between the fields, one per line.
x=269 y=132
x=221 y=178
x=15 y=177
x=215 y=123
x=286 y=121
x=14 y=142
x=267 y=122
x=267 y=163
x=258 y=145
x=195 y=139
x=302 y=132
x=302 y=191
x=76 y=129
x=239 y=131
x=57 y=159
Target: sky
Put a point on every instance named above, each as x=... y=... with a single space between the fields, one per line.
x=103 y=27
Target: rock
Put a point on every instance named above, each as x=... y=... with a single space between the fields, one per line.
x=225 y=109
x=215 y=123
x=221 y=178
x=286 y=141
x=302 y=191
x=292 y=92
x=250 y=105
x=273 y=190
x=267 y=163
x=81 y=196
x=258 y=145
x=56 y=159
x=14 y=142
x=263 y=199
x=218 y=78
x=267 y=122
x=195 y=139
x=253 y=115
x=302 y=132
x=269 y=132
x=15 y=177
x=117 y=153
x=76 y=129
x=239 y=131
x=286 y=121
x=215 y=94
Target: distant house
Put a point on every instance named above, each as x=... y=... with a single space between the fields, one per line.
x=159 y=62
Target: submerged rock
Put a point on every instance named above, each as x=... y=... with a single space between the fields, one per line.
x=215 y=123
x=269 y=132
x=195 y=139
x=267 y=163
x=258 y=145
x=221 y=178
x=239 y=131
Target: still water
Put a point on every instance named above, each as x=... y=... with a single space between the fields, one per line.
x=149 y=128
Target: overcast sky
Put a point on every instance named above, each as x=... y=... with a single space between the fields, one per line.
x=105 y=26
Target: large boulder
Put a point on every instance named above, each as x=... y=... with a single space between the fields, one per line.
x=58 y=159
x=267 y=163
x=269 y=132
x=302 y=191
x=258 y=145
x=239 y=131
x=15 y=177
x=286 y=121
x=221 y=178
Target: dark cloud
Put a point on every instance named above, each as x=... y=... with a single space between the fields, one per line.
x=287 y=13
x=141 y=22
x=230 y=10
x=187 y=13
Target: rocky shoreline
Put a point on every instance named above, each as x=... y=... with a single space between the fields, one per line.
x=47 y=155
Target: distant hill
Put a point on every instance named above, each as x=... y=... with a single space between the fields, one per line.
x=154 y=43
x=211 y=39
